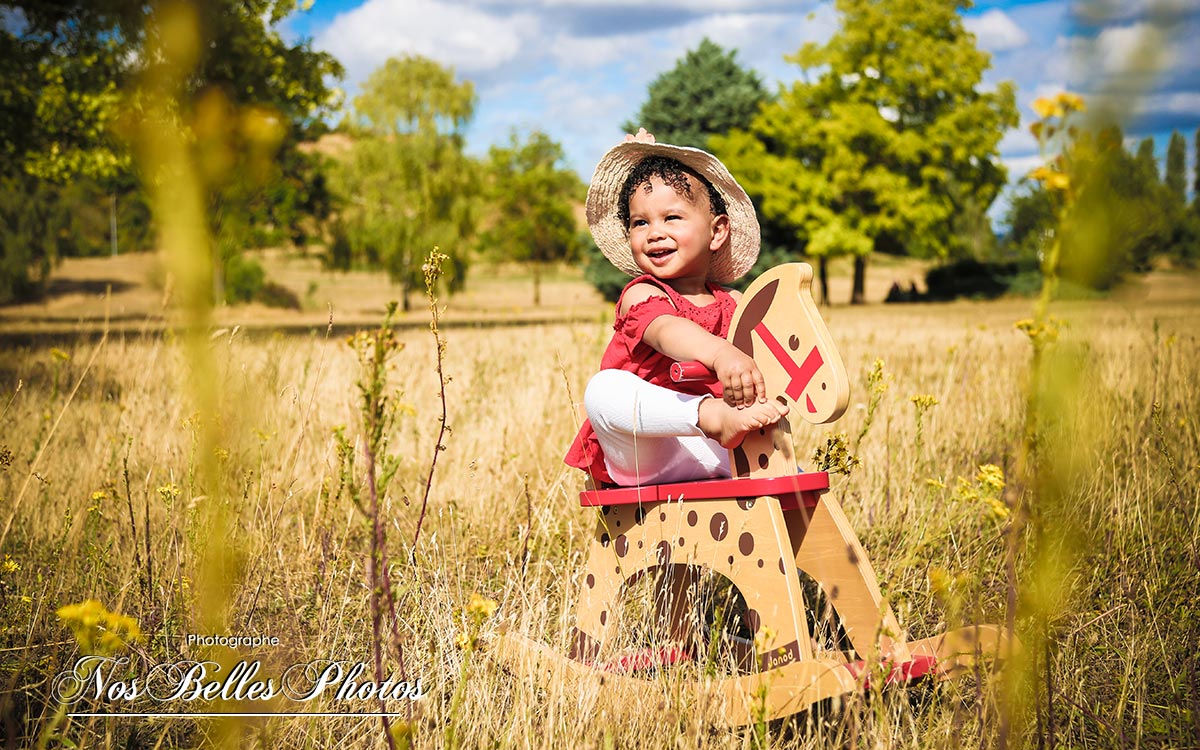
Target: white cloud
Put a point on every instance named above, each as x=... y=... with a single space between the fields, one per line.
x=1126 y=57
x=1018 y=141
x=1139 y=46
x=596 y=51
x=1111 y=11
x=996 y=31
x=466 y=38
x=1019 y=166
x=1176 y=103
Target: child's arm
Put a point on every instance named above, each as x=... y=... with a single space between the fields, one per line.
x=683 y=340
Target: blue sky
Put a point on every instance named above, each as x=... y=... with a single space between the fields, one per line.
x=577 y=69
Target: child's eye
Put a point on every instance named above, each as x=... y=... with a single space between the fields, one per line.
x=637 y=222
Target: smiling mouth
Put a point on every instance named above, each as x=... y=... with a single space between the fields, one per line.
x=659 y=253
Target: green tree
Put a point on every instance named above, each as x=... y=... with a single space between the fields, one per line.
x=1146 y=160
x=1123 y=217
x=706 y=93
x=72 y=106
x=1030 y=219
x=887 y=144
x=62 y=65
x=1196 y=176
x=533 y=195
x=407 y=186
x=1176 y=179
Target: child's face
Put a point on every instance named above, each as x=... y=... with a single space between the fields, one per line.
x=673 y=237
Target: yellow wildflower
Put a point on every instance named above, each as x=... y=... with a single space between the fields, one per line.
x=9 y=565
x=935 y=483
x=924 y=400
x=168 y=492
x=991 y=476
x=97 y=630
x=463 y=641
x=1071 y=102
x=1050 y=178
x=998 y=508
x=481 y=607
x=1046 y=108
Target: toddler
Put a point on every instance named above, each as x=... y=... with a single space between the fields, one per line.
x=675 y=219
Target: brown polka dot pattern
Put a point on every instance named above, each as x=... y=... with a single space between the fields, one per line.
x=718 y=526
x=753 y=620
x=746 y=543
x=621 y=546
x=662 y=553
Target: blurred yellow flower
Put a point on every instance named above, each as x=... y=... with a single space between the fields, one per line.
x=97 y=630
x=9 y=565
x=1071 y=102
x=998 y=508
x=481 y=607
x=1050 y=178
x=1047 y=107
x=991 y=476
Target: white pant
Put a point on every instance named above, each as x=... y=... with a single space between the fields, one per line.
x=649 y=434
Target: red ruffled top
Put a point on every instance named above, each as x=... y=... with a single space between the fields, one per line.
x=627 y=351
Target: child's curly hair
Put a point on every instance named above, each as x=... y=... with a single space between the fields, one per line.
x=674 y=173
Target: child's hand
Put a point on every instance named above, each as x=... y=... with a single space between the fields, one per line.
x=740 y=377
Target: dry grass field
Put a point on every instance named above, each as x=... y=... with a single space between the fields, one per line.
x=136 y=465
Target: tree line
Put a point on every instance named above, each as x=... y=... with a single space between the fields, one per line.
x=76 y=77
x=886 y=142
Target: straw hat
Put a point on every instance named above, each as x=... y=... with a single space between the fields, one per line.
x=731 y=262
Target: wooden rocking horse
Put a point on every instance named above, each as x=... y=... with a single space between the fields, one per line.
x=755 y=529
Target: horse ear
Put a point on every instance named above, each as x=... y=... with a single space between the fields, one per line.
x=778 y=324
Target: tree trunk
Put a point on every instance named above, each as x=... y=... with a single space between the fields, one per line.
x=405 y=302
x=823 y=279
x=860 y=279
x=537 y=284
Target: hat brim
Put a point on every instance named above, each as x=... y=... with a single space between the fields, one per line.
x=730 y=262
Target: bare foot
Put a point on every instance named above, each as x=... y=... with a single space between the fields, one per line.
x=728 y=424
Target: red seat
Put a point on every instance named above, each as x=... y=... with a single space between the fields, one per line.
x=793 y=491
